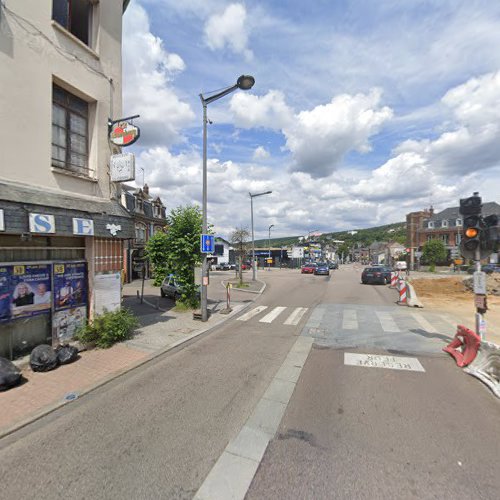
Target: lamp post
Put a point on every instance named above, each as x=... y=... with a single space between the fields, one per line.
x=244 y=82
x=252 y=196
x=269 y=241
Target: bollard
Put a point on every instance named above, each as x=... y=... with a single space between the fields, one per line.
x=394 y=279
x=402 y=292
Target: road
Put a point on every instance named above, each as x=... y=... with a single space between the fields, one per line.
x=346 y=432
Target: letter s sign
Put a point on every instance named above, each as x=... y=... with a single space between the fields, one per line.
x=42 y=223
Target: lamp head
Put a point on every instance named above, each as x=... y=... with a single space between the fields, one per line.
x=245 y=82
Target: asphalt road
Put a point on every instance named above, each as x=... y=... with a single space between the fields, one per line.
x=348 y=431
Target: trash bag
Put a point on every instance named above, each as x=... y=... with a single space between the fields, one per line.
x=10 y=374
x=66 y=354
x=43 y=358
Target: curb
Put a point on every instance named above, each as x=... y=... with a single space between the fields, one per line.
x=55 y=406
x=264 y=285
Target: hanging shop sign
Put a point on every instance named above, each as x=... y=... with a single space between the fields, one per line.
x=30 y=290
x=83 y=227
x=123 y=132
x=122 y=167
x=42 y=223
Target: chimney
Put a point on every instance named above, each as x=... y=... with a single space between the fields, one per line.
x=145 y=189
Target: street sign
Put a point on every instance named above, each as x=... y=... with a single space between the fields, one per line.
x=207 y=243
x=480 y=282
x=480 y=302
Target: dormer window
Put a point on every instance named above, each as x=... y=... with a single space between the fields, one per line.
x=444 y=223
x=430 y=224
x=458 y=222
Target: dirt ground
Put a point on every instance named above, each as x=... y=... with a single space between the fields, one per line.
x=450 y=295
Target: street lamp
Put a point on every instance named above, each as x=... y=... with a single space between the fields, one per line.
x=269 y=241
x=252 y=196
x=244 y=82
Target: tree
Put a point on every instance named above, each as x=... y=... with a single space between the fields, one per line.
x=181 y=251
x=434 y=251
x=239 y=239
x=156 y=250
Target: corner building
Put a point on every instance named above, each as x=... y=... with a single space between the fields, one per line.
x=63 y=231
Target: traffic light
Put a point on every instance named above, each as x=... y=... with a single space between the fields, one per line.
x=472 y=205
x=492 y=231
x=471 y=239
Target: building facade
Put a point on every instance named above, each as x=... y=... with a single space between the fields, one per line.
x=62 y=228
x=149 y=216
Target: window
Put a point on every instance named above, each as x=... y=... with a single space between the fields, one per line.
x=430 y=224
x=444 y=223
x=458 y=222
x=140 y=233
x=75 y=16
x=445 y=238
x=69 y=131
x=458 y=239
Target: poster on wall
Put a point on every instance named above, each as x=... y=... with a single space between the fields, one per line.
x=5 y=295
x=30 y=288
x=66 y=322
x=70 y=285
x=107 y=292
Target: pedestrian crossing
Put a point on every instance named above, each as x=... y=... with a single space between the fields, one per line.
x=346 y=321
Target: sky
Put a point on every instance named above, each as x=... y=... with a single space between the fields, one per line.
x=362 y=110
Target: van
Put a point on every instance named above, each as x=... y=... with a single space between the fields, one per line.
x=400 y=265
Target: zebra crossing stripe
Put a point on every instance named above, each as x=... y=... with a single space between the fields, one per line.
x=252 y=313
x=296 y=316
x=268 y=318
x=386 y=321
x=424 y=323
x=349 y=320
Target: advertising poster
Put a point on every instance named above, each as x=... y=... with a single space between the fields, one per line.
x=31 y=292
x=66 y=322
x=107 y=289
x=70 y=285
x=5 y=295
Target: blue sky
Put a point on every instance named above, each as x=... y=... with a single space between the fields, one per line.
x=361 y=112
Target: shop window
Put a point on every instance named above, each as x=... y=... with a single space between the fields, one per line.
x=69 y=131
x=75 y=16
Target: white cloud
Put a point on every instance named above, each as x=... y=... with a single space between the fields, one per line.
x=320 y=138
x=229 y=30
x=148 y=71
x=261 y=153
x=269 y=110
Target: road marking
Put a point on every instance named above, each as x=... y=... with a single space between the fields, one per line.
x=388 y=324
x=232 y=474
x=424 y=323
x=349 y=320
x=296 y=316
x=252 y=313
x=269 y=318
x=379 y=361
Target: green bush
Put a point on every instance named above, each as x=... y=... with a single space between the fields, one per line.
x=108 y=328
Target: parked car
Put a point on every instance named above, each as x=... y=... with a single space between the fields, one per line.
x=333 y=265
x=372 y=275
x=172 y=288
x=308 y=268
x=322 y=268
x=486 y=268
x=244 y=266
x=222 y=267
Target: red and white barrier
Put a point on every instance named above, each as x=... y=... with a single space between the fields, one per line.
x=464 y=346
x=394 y=280
x=403 y=290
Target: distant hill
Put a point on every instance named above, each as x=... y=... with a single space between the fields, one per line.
x=365 y=237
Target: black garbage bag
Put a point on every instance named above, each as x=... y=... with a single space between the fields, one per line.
x=66 y=354
x=43 y=358
x=10 y=374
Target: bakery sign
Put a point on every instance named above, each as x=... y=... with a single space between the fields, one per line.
x=123 y=132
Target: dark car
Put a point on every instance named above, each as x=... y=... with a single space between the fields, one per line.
x=486 y=268
x=373 y=275
x=172 y=288
x=333 y=265
x=387 y=271
x=308 y=268
x=322 y=268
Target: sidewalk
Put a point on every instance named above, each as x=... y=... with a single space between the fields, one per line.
x=161 y=330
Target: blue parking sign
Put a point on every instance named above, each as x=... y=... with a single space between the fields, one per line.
x=207 y=243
